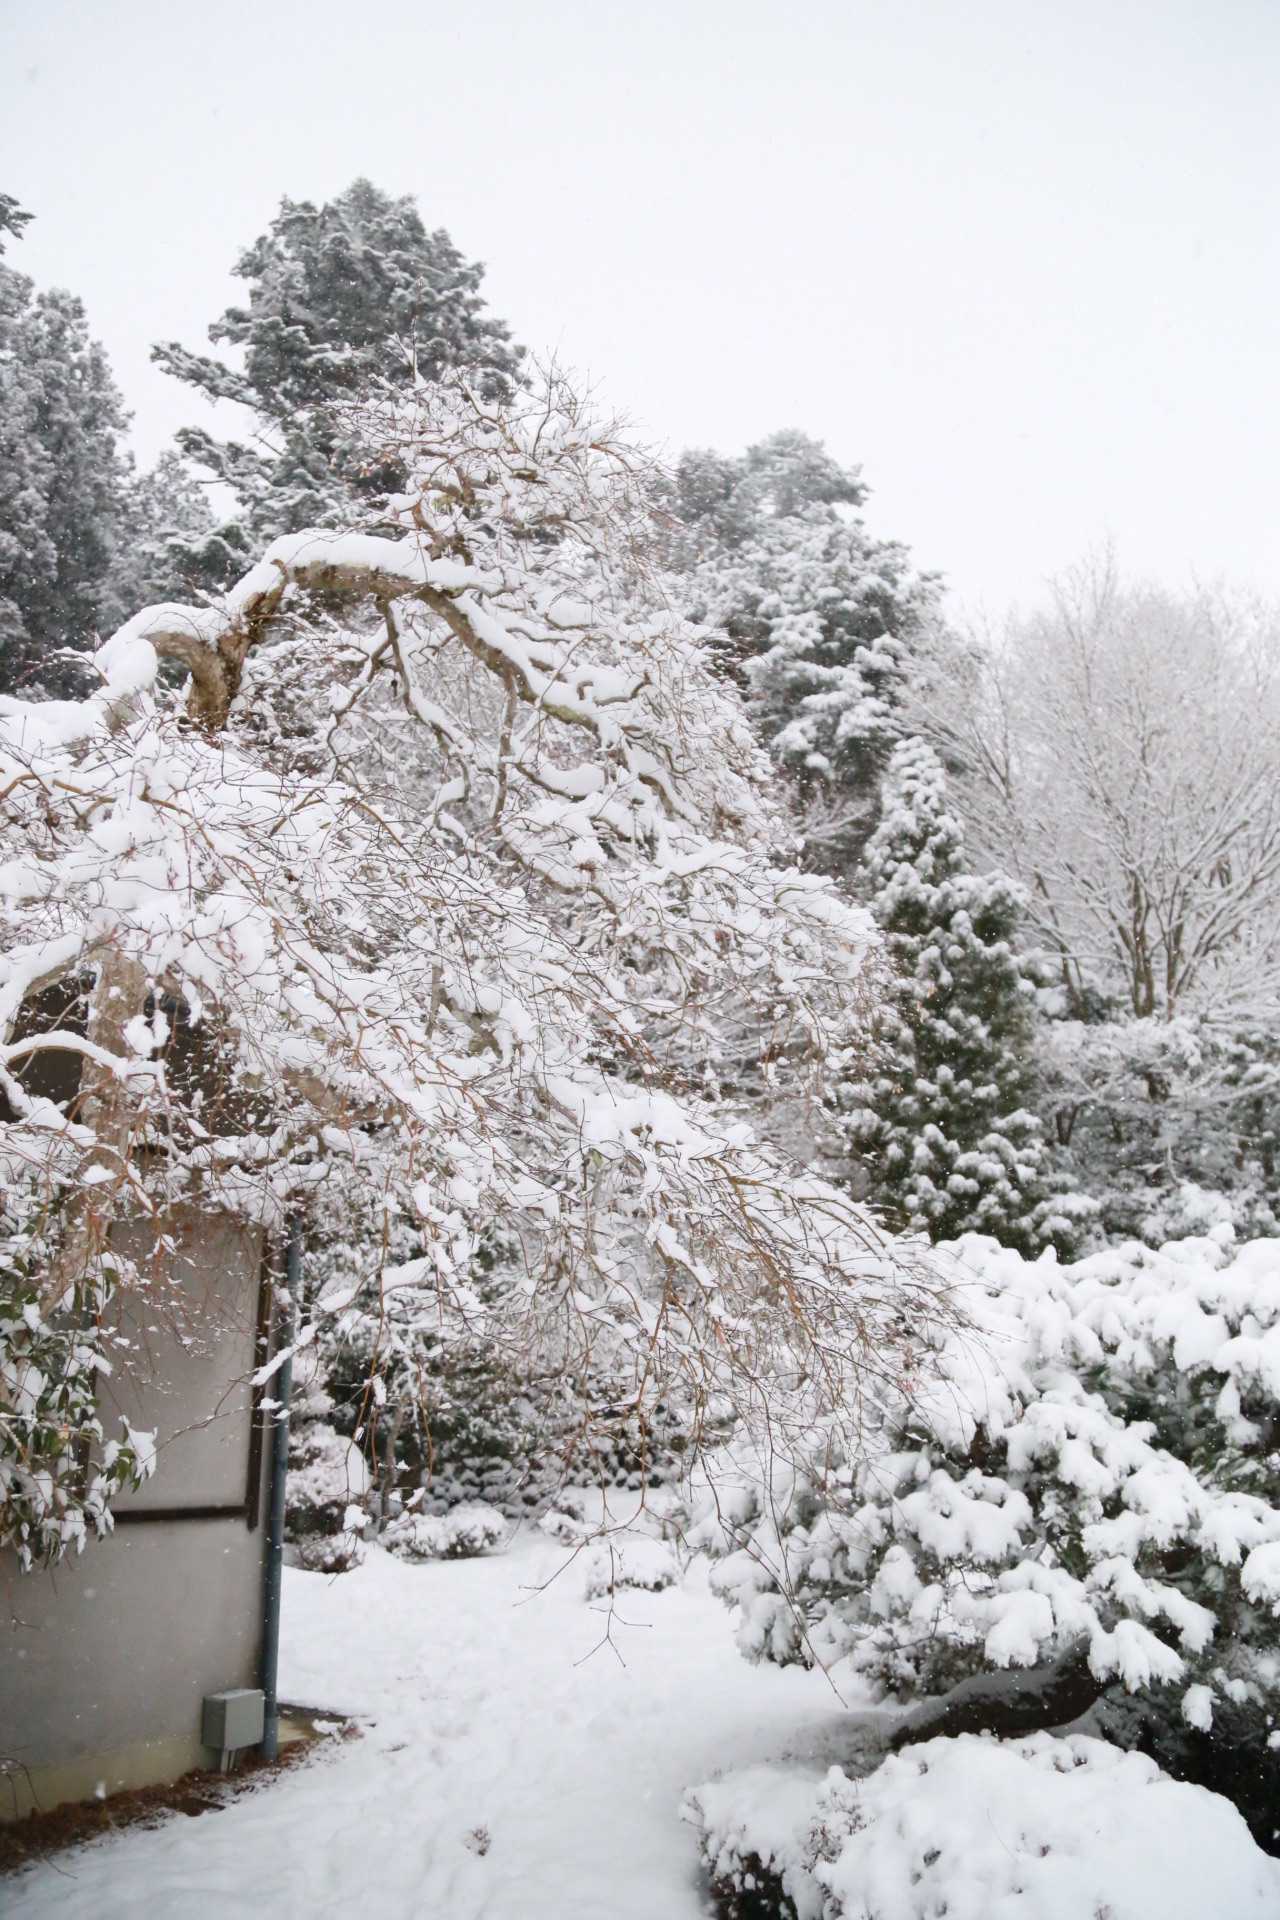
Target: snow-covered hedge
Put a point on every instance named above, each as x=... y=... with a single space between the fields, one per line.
x=1086 y=1487
x=980 y=1829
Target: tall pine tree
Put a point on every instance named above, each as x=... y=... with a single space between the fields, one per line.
x=343 y=298
x=822 y=619
x=62 y=478
x=168 y=544
x=938 y=1122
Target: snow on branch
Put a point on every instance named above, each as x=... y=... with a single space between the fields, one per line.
x=450 y=906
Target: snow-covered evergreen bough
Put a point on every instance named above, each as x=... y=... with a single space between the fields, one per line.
x=435 y=909
x=1074 y=1520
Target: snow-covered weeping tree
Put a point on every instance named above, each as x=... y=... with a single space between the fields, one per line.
x=426 y=913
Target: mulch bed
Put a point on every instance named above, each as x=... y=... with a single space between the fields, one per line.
x=200 y=1791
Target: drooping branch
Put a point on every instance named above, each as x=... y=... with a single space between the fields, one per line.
x=469 y=974
x=545 y=672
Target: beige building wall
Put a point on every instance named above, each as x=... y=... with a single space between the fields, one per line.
x=104 y=1660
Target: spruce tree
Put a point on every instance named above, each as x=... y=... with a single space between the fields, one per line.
x=822 y=619
x=343 y=299
x=938 y=1123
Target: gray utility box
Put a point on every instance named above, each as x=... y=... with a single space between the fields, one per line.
x=229 y=1721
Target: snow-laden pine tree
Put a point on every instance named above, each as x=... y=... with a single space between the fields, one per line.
x=62 y=477
x=822 y=619
x=425 y=913
x=167 y=542
x=938 y=1123
x=343 y=298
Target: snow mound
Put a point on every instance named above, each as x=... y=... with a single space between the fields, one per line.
x=459 y=1535
x=636 y=1561
x=978 y=1829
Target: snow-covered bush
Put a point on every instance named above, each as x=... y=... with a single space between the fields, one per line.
x=48 y=1404
x=325 y=1474
x=1083 y=1498
x=631 y=1559
x=458 y=858
x=326 y=1481
x=448 y=1415
x=979 y=1829
x=458 y=1535
x=1170 y=1124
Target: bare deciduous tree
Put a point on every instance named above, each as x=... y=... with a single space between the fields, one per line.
x=1121 y=756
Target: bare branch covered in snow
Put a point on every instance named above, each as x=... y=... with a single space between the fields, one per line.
x=1120 y=756
x=450 y=896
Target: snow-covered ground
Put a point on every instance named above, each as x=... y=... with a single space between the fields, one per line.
x=490 y=1708
x=513 y=1767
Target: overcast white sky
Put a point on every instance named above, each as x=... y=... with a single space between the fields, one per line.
x=1020 y=260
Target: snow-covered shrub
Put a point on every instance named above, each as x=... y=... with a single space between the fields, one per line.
x=630 y=1559
x=634 y=1551
x=1171 y=1124
x=463 y=1408
x=461 y=854
x=979 y=1829
x=331 y=1552
x=447 y=1413
x=326 y=1474
x=1085 y=1496
x=326 y=1481
x=58 y=1469
x=458 y=1535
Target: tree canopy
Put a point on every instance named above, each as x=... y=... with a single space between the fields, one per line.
x=344 y=298
x=464 y=859
x=62 y=476
x=823 y=618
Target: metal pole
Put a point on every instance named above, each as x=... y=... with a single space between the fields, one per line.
x=283 y=1383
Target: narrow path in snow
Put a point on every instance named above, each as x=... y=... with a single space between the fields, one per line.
x=492 y=1710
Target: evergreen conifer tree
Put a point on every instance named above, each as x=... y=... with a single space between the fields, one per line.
x=62 y=477
x=822 y=617
x=938 y=1122
x=343 y=298
x=168 y=545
